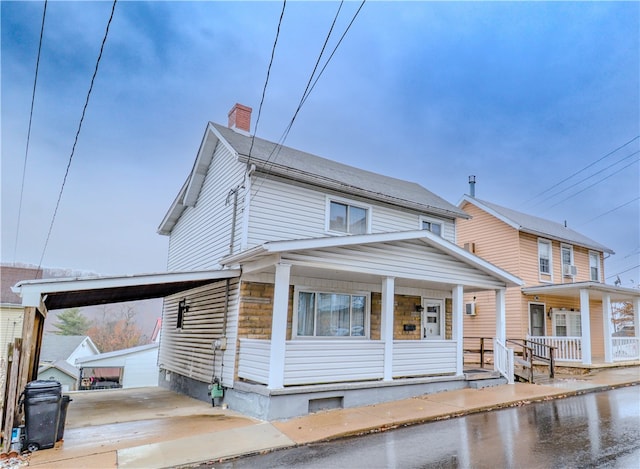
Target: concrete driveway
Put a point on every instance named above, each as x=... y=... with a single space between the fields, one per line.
x=100 y=423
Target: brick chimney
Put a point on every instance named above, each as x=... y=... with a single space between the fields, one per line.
x=240 y=117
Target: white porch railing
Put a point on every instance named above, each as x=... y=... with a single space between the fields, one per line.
x=625 y=348
x=503 y=360
x=333 y=361
x=568 y=349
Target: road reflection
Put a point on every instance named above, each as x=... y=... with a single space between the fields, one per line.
x=592 y=430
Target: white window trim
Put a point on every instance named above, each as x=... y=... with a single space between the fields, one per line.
x=341 y=200
x=544 y=316
x=442 y=318
x=570 y=247
x=433 y=221
x=296 y=299
x=567 y=313
x=597 y=255
x=543 y=276
x=562 y=264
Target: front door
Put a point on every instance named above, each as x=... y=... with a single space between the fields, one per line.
x=432 y=319
x=536 y=319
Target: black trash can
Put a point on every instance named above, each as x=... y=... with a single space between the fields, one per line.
x=42 y=401
x=64 y=404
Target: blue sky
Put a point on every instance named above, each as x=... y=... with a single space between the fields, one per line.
x=522 y=95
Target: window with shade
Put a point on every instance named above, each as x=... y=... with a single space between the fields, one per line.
x=594 y=266
x=544 y=256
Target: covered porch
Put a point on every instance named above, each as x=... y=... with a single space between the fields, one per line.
x=409 y=321
x=579 y=325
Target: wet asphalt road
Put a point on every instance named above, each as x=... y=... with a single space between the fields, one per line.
x=593 y=430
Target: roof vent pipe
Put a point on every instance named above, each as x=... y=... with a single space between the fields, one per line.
x=472 y=186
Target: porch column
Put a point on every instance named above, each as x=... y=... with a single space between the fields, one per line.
x=586 y=327
x=636 y=317
x=606 y=327
x=386 y=332
x=457 y=305
x=279 y=325
x=501 y=316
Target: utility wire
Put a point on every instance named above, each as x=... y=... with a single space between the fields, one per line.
x=624 y=271
x=581 y=170
x=26 y=151
x=595 y=183
x=75 y=141
x=612 y=210
x=278 y=147
x=264 y=89
x=586 y=178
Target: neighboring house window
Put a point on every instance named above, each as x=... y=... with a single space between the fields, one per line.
x=434 y=227
x=567 y=324
x=594 y=266
x=544 y=256
x=567 y=255
x=331 y=314
x=347 y=218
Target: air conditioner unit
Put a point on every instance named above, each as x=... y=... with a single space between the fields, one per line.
x=470 y=309
x=569 y=270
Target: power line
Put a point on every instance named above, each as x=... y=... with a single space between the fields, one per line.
x=264 y=89
x=587 y=178
x=75 y=141
x=624 y=271
x=612 y=210
x=26 y=151
x=581 y=170
x=309 y=89
x=595 y=183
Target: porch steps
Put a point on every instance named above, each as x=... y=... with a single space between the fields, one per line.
x=480 y=378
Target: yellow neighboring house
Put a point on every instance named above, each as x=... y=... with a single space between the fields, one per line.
x=564 y=301
x=11 y=309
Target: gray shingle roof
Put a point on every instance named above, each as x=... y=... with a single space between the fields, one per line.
x=59 y=347
x=9 y=276
x=295 y=164
x=542 y=226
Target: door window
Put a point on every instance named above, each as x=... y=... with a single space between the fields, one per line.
x=536 y=319
x=432 y=319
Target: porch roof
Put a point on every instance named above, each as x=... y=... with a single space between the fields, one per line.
x=85 y=291
x=596 y=290
x=429 y=239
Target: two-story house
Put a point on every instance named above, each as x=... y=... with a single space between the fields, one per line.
x=338 y=286
x=564 y=301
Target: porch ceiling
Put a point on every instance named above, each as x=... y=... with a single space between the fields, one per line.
x=360 y=277
x=572 y=290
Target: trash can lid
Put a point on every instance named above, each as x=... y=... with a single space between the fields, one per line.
x=43 y=384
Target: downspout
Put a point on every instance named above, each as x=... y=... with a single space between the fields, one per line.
x=234 y=215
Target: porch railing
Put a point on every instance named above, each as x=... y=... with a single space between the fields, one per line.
x=567 y=349
x=503 y=360
x=625 y=348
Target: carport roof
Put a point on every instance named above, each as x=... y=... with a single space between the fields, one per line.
x=87 y=291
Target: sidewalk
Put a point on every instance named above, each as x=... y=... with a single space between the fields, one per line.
x=194 y=432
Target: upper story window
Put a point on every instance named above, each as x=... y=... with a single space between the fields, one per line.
x=594 y=266
x=544 y=256
x=345 y=217
x=430 y=225
x=567 y=255
x=321 y=314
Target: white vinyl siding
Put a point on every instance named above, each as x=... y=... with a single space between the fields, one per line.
x=202 y=234
x=407 y=259
x=188 y=351
x=282 y=211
